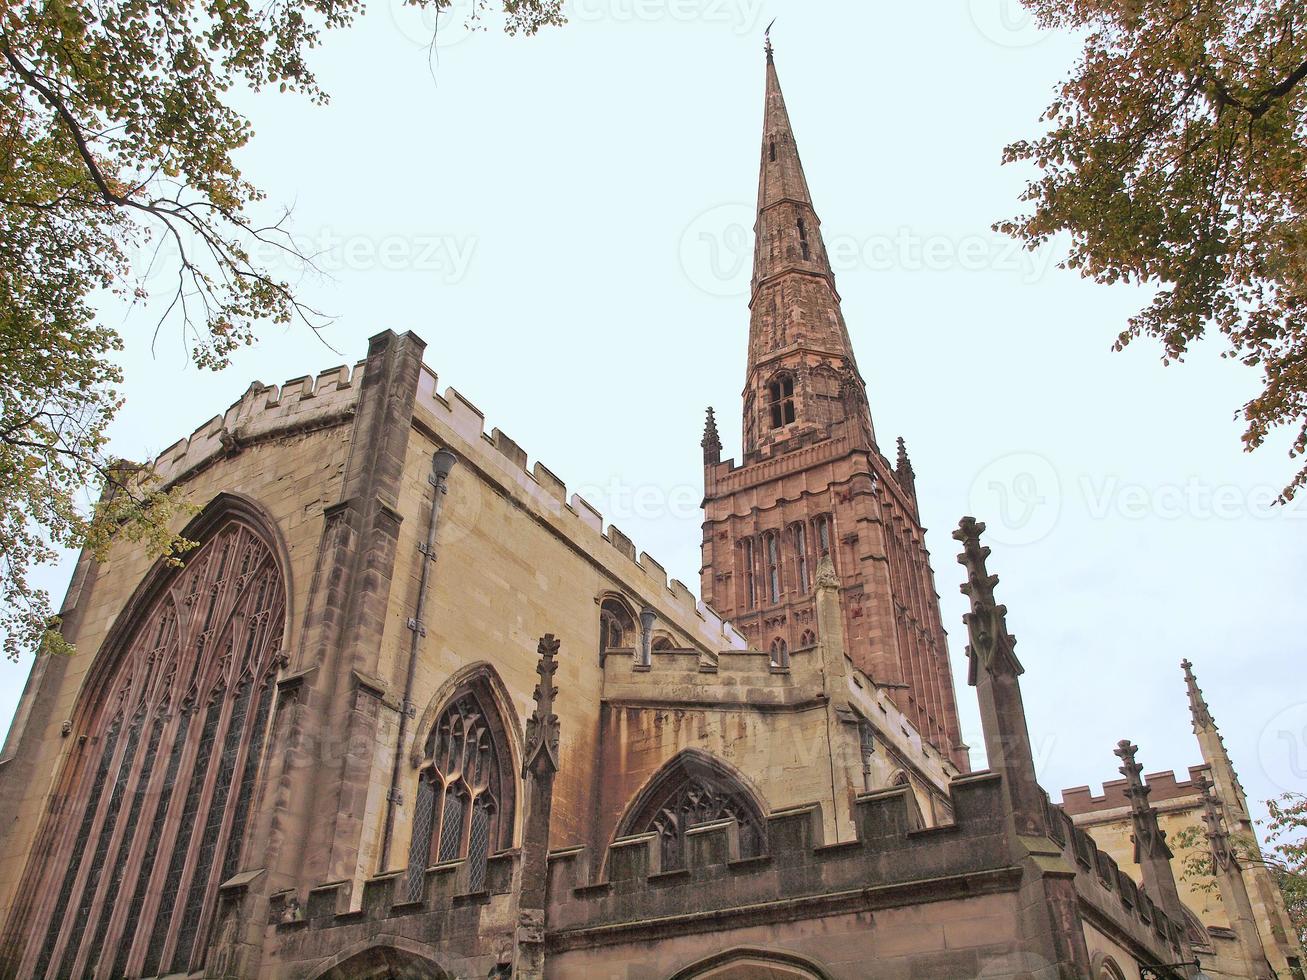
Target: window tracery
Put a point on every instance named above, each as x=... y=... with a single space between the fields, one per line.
x=690 y=792
x=464 y=804
x=208 y=644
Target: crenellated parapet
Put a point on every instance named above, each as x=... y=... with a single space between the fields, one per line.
x=307 y=404
x=300 y=405
x=1114 y=895
x=471 y=929
x=893 y=860
x=452 y=418
x=1163 y=788
x=727 y=678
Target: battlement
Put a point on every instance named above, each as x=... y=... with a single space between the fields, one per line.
x=893 y=859
x=536 y=487
x=306 y=404
x=1163 y=786
x=728 y=678
x=1102 y=883
x=299 y=405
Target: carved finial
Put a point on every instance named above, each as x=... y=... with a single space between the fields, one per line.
x=904 y=464
x=768 y=46
x=712 y=442
x=1149 y=837
x=1202 y=715
x=991 y=645
x=826 y=577
x=542 y=726
x=906 y=475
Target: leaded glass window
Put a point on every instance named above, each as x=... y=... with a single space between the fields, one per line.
x=175 y=724
x=691 y=790
x=462 y=809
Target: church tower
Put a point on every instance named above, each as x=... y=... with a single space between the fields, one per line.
x=813 y=481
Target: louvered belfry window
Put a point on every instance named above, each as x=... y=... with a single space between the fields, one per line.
x=160 y=805
x=461 y=811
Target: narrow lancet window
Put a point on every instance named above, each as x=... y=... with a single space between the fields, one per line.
x=780 y=399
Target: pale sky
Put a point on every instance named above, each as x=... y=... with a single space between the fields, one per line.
x=566 y=220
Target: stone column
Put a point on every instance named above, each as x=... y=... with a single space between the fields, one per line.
x=1152 y=853
x=538 y=769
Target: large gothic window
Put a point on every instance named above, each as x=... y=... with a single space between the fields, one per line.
x=162 y=794
x=464 y=800
x=690 y=791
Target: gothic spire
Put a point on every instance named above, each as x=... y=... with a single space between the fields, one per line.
x=712 y=442
x=1212 y=746
x=802 y=374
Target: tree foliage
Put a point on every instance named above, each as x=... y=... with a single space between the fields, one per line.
x=1284 y=856
x=1174 y=154
x=118 y=135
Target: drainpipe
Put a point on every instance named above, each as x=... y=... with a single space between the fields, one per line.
x=441 y=465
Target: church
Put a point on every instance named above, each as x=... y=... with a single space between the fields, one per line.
x=409 y=709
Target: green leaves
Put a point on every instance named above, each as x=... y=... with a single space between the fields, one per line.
x=115 y=132
x=1174 y=155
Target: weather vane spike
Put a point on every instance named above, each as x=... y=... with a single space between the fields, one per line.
x=767 y=36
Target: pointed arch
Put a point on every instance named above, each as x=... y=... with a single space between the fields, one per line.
x=692 y=788
x=173 y=720
x=395 y=958
x=618 y=629
x=745 y=962
x=465 y=797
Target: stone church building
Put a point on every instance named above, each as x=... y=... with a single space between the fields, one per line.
x=411 y=710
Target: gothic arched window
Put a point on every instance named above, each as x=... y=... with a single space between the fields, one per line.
x=801 y=556
x=773 y=552
x=464 y=805
x=163 y=793
x=780 y=400
x=750 y=574
x=808 y=639
x=616 y=626
x=780 y=653
x=822 y=525
x=692 y=790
